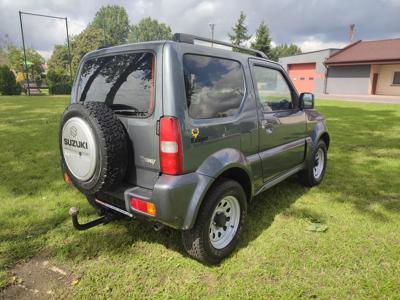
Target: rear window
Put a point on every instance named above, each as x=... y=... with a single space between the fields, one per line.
x=214 y=86
x=125 y=82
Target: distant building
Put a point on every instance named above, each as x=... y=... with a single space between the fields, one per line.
x=307 y=70
x=361 y=68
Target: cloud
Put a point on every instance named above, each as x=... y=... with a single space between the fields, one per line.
x=311 y=24
x=313 y=44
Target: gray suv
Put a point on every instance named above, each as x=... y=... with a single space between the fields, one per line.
x=185 y=135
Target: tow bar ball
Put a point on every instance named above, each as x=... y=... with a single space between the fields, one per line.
x=74 y=211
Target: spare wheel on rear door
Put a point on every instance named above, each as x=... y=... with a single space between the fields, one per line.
x=93 y=146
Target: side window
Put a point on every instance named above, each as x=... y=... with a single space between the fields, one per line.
x=214 y=86
x=273 y=90
x=396 y=78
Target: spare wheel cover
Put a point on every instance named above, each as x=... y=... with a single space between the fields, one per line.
x=79 y=148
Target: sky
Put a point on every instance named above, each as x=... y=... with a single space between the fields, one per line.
x=312 y=24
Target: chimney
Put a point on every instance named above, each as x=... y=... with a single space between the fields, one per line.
x=351 y=32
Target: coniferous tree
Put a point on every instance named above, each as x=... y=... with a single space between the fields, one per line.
x=239 y=31
x=263 y=39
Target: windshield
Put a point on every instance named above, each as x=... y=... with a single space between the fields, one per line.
x=125 y=82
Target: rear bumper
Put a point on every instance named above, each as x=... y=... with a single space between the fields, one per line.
x=177 y=199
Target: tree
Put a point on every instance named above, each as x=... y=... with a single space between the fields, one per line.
x=8 y=85
x=20 y=78
x=16 y=61
x=149 y=29
x=36 y=61
x=263 y=39
x=15 y=58
x=59 y=60
x=88 y=40
x=239 y=34
x=113 y=21
x=4 y=42
x=3 y=56
x=284 y=50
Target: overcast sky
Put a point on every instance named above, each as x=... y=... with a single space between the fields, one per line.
x=312 y=24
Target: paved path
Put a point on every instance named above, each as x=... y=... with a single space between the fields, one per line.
x=361 y=98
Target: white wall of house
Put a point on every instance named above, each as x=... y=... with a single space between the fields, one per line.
x=385 y=84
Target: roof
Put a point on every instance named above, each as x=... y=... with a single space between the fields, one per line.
x=310 y=52
x=367 y=52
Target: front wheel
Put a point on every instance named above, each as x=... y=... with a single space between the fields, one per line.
x=314 y=174
x=219 y=223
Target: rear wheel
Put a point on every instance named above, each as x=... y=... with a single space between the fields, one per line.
x=219 y=223
x=315 y=172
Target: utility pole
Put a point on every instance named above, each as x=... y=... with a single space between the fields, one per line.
x=212 y=25
x=351 y=32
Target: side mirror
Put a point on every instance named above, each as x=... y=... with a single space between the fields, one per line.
x=306 y=101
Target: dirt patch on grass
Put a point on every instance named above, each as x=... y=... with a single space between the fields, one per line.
x=37 y=279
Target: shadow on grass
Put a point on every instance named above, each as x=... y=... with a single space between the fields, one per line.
x=357 y=173
x=118 y=237
x=361 y=141
x=364 y=150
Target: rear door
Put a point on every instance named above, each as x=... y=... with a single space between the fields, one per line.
x=215 y=94
x=282 y=127
x=126 y=82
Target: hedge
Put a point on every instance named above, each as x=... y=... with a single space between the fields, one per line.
x=60 y=88
x=8 y=85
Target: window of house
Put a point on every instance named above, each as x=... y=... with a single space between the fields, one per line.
x=396 y=78
x=310 y=78
x=214 y=86
x=273 y=90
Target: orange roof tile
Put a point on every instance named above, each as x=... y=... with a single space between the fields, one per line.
x=367 y=52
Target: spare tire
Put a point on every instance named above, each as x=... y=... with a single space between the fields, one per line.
x=93 y=146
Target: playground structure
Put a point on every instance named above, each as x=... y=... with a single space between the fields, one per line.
x=32 y=89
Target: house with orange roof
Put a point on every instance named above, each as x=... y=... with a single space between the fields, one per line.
x=361 y=68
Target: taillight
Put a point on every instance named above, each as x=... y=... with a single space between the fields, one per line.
x=171 y=159
x=143 y=206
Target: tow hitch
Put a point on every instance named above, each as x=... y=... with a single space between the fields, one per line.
x=74 y=211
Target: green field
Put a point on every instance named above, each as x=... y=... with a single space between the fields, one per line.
x=357 y=257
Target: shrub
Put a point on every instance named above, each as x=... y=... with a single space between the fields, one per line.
x=8 y=85
x=20 y=78
x=38 y=80
x=60 y=88
x=56 y=77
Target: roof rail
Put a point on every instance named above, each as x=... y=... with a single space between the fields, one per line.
x=190 y=38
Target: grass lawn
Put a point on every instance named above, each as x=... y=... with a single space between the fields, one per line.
x=357 y=257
